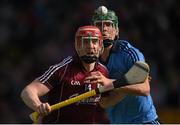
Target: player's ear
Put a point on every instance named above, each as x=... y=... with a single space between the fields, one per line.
x=101 y=51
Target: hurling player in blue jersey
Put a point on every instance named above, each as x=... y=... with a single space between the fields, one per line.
x=132 y=103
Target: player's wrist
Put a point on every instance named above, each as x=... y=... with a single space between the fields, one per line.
x=119 y=82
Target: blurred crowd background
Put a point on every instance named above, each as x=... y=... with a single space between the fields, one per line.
x=35 y=34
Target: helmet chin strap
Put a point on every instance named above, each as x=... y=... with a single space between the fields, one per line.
x=107 y=43
x=89 y=59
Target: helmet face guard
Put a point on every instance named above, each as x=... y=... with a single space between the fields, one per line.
x=101 y=17
x=88 y=43
x=102 y=14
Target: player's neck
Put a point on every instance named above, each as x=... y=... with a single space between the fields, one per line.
x=89 y=67
x=105 y=54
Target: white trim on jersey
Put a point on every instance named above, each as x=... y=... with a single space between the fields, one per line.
x=43 y=78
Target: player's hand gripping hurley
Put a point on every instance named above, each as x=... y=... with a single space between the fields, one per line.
x=137 y=74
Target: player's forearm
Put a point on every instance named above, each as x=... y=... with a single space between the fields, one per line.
x=118 y=94
x=30 y=98
x=142 y=89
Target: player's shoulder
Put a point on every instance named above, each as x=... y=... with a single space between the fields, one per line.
x=55 y=69
x=124 y=45
x=62 y=63
x=66 y=60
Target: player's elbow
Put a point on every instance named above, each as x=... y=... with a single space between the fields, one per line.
x=23 y=93
x=27 y=92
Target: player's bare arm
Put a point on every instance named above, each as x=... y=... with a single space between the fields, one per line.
x=142 y=89
x=30 y=95
x=135 y=89
x=118 y=94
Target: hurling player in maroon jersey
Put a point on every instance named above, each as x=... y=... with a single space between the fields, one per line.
x=66 y=80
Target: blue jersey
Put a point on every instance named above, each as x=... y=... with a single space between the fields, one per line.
x=131 y=109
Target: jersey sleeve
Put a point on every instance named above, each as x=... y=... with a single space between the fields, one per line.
x=54 y=74
x=134 y=55
x=49 y=77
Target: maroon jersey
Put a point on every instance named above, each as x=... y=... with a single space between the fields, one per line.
x=66 y=80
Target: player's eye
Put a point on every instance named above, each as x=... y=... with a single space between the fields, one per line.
x=95 y=41
x=108 y=24
x=98 y=24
